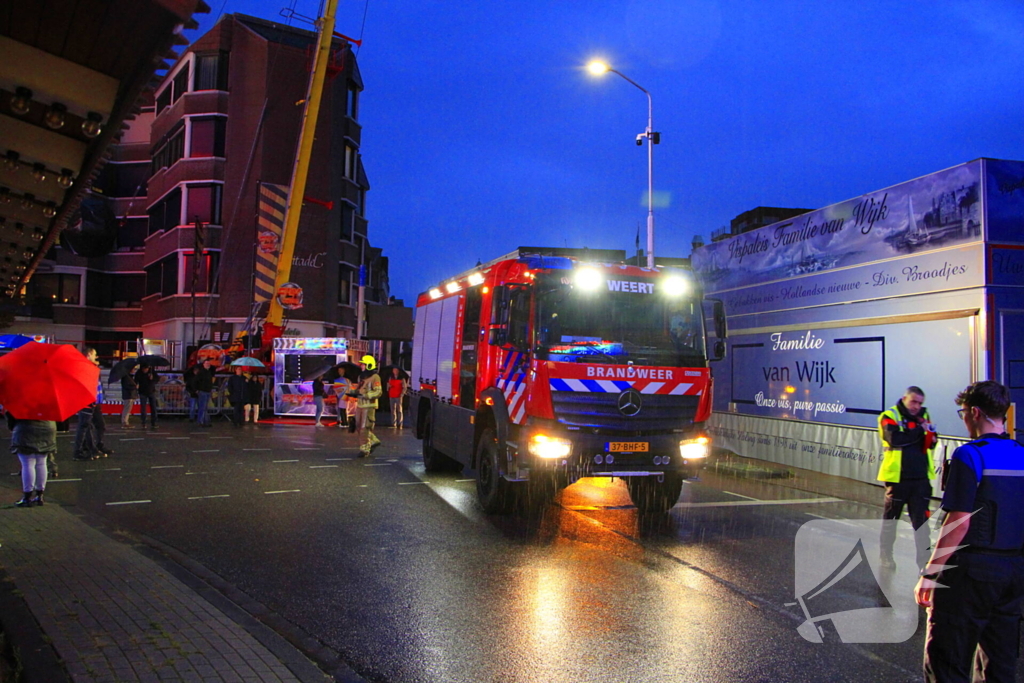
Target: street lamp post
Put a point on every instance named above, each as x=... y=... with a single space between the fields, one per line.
x=598 y=68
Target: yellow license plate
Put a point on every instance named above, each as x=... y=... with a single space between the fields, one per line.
x=628 y=446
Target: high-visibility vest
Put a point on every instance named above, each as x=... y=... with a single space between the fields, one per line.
x=892 y=458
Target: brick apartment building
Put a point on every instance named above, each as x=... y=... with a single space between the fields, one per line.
x=223 y=121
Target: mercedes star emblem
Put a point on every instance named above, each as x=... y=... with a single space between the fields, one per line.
x=630 y=402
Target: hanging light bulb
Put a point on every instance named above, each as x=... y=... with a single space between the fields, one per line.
x=37 y=234
x=27 y=253
x=11 y=160
x=55 y=116
x=65 y=178
x=22 y=101
x=39 y=172
x=50 y=210
x=28 y=200
x=92 y=125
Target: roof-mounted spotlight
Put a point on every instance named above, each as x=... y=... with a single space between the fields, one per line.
x=92 y=125
x=55 y=116
x=22 y=101
x=588 y=279
x=476 y=279
x=675 y=286
x=435 y=293
x=452 y=287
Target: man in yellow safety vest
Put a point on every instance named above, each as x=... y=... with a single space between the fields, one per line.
x=908 y=438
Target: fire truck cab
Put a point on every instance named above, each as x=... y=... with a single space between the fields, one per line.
x=538 y=370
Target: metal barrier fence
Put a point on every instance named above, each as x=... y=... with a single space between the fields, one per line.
x=172 y=399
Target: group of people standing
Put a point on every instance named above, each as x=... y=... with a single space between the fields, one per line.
x=972 y=579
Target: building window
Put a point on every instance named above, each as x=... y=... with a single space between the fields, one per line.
x=212 y=72
x=114 y=290
x=348 y=218
x=162 y=276
x=166 y=213
x=362 y=202
x=169 y=150
x=351 y=160
x=55 y=288
x=180 y=84
x=204 y=204
x=352 y=101
x=205 y=277
x=344 y=285
x=163 y=100
x=123 y=179
x=208 y=136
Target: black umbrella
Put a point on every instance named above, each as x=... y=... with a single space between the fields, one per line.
x=332 y=372
x=154 y=361
x=122 y=369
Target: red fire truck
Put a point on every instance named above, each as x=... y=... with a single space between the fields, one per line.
x=538 y=369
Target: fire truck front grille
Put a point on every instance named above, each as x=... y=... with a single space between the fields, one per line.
x=600 y=412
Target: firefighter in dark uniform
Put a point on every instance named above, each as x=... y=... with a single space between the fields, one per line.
x=975 y=592
x=908 y=437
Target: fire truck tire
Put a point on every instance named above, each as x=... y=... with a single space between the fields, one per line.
x=495 y=494
x=433 y=459
x=652 y=497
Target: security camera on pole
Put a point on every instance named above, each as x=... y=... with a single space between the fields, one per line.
x=599 y=68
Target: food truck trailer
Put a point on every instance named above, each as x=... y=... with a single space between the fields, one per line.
x=832 y=314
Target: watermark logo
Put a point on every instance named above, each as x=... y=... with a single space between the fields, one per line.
x=844 y=591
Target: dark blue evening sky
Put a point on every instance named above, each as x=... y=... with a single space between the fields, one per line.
x=482 y=131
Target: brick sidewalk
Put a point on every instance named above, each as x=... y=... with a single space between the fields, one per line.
x=113 y=614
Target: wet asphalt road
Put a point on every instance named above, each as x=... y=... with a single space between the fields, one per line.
x=400 y=572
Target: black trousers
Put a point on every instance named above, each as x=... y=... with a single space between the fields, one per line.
x=975 y=621
x=915 y=495
x=98 y=425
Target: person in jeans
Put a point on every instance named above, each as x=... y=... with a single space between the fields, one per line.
x=190 y=391
x=204 y=387
x=146 y=380
x=398 y=387
x=32 y=441
x=90 y=429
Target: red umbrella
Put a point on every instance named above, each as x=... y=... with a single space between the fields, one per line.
x=47 y=381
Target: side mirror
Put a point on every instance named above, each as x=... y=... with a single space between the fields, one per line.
x=497 y=336
x=719 y=350
x=719 y=313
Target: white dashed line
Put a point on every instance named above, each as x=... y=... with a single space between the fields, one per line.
x=464 y=480
x=164 y=467
x=412 y=483
x=377 y=464
x=139 y=439
x=221 y=495
x=738 y=495
x=334 y=459
x=178 y=438
x=130 y=502
x=215 y=450
x=285 y=461
x=270 y=493
x=59 y=481
x=320 y=467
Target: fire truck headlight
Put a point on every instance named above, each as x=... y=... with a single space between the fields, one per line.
x=692 y=449
x=588 y=279
x=549 y=447
x=675 y=286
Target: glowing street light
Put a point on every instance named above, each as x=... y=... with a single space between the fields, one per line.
x=599 y=68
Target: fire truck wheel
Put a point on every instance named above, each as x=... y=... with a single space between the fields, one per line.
x=494 y=493
x=652 y=497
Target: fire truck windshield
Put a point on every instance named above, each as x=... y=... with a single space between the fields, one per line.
x=637 y=326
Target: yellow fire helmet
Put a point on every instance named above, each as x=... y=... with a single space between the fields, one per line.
x=369 y=362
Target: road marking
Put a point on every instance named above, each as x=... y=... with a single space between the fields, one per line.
x=256 y=449
x=741 y=503
x=138 y=439
x=215 y=450
x=464 y=480
x=377 y=464
x=58 y=481
x=285 y=461
x=164 y=467
x=739 y=495
x=334 y=459
x=221 y=495
x=362 y=486
x=130 y=502
x=270 y=493
x=412 y=483
x=178 y=438
x=222 y=437
x=320 y=467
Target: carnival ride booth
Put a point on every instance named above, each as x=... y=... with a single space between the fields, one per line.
x=296 y=361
